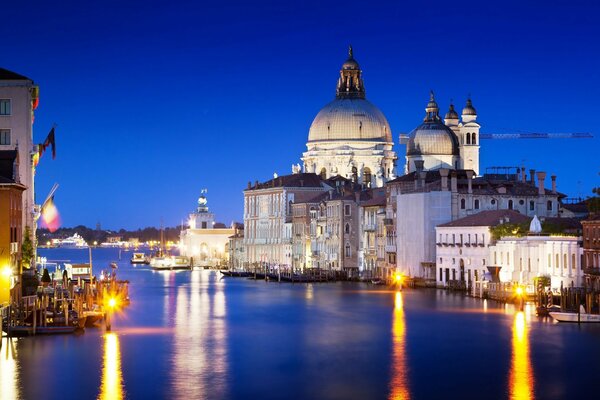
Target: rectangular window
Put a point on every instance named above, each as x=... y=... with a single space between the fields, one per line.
x=4 y=137
x=531 y=206
x=5 y=107
x=347 y=210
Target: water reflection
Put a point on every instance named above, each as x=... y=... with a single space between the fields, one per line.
x=200 y=352
x=399 y=383
x=9 y=378
x=521 y=373
x=112 y=375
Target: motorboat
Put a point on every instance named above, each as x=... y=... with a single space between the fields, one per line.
x=580 y=317
x=139 y=258
x=170 y=262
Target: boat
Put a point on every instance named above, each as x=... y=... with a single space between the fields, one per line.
x=378 y=282
x=238 y=274
x=580 y=317
x=139 y=258
x=170 y=262
x=72 y=242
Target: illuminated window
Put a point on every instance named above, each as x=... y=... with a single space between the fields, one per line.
x=367 y=177
x=5 y=107
x=4 y=137
x=323 y=173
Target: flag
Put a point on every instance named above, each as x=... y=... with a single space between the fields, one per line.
x=48 y=142
x=50 y=215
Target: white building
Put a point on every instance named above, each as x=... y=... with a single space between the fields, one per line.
x=18 y=100
x=205 y=242
x=350 y=136
x=462 y=253
x=521 y=259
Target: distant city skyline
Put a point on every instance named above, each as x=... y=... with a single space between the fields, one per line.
x=153 y=104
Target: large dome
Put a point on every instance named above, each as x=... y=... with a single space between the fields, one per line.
x=350 y=119
x=432 y=138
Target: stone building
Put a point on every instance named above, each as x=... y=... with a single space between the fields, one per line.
x=235 y=248
x=268 y=216
x=18 y=100
x=350 y=136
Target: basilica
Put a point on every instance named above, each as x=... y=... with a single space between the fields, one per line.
x=351 y=137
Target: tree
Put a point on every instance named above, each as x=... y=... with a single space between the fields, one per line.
x=27 y=249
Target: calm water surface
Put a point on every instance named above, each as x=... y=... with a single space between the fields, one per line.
x=192 y=335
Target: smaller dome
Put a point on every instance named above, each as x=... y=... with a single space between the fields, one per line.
x=350 y=62
x=432 y=138
x=451 y=114
x=469 y=109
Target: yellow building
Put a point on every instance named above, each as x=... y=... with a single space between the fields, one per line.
x=11 y=217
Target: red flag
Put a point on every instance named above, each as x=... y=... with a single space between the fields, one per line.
x=50 y=215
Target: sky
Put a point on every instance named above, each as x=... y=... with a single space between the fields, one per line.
x=156 y=100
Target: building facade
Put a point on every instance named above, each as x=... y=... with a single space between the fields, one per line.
x=591 y=244
x=18 y=100
x=268 y=217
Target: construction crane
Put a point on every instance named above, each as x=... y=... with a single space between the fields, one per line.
x=523 y=135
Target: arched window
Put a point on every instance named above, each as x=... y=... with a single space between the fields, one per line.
x=473 y=138
x=347 y=228
x=463 y=204
x=323 y=173
x=348 y=250
x=367 y=177
x=476 y=205
x=510 y=204
x=564 y=261
x=468 y=138
x=549 y=205
x=573 y=264
x=354 y=174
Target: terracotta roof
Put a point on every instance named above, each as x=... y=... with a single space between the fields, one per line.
x=375 y=201
x=489 y=218
x=292 y=180
x=6 y=75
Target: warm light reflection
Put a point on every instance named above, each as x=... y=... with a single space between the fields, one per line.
x=309 y=292
x=521 y=372
x=200 y=338
x=112 y=376
x=399 y=383
x=9 y=378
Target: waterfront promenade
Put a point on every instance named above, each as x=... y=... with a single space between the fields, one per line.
x=193 y=335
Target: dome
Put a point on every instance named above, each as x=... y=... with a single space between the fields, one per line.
x=350 y=119
x=469 y=109
x=350 y=64
x=432 y=138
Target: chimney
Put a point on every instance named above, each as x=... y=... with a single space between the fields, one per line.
x=553 y=177
x=453 y=182
x=444 y=174
x=532 y=176
x=249 y=185
x=470 y=180
x=523 y=175
x=541 y=176
x=256 y=184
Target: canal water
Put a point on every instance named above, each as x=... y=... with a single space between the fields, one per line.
x=195 y=335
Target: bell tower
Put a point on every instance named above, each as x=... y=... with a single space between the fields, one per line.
x=469 y=138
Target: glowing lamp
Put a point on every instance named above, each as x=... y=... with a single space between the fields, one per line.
x=112 y=302
x=6 y=271
x=519 y=291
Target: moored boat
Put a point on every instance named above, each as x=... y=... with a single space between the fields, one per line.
x=581 y=317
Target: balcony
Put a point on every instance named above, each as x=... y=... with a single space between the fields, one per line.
x=369 y=227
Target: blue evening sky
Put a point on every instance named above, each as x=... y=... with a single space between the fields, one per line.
x=155 y=100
